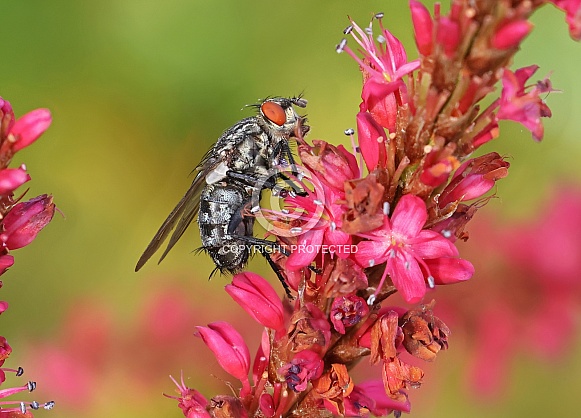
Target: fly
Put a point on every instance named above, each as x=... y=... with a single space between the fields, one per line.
x=220 y=194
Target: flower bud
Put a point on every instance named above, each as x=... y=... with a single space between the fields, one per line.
x=12 y=178
x=511 y=35
x=372 y=141
x=29 y=127
x=6 y=261
x=423 y=27
x=257 y=297
x=25 y=220
x=474 y=178
x=229 y=348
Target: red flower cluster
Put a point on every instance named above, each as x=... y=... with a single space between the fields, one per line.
x=358 y=238
x=19 y=225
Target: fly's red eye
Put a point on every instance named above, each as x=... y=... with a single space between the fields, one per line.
x=274 y=112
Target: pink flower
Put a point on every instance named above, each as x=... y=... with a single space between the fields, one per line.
x=29 y=127
x=230 y=350
x=12 y=178
x=304 y=367
x=511 y=34
x=423 y=27
x=573 y=10
x=321 y=212
x=448 y=35
x=372 y=141
x=257 y=297
x=406 y=248
x=6 y=117
x=16 y=408
x=6 y=261
x=191 y=402
x=347 y=311
x=370 y=396
x=519 y=105
x=334 y=164
x=474 y=178
x=383 y=65
x=25 y=220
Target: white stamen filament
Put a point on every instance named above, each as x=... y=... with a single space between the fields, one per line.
x=386 y=208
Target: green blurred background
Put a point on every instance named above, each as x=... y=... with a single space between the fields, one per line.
x=139 y=90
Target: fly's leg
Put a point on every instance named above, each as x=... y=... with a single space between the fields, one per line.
x=269 y=183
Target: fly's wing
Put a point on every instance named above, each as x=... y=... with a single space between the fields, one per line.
x=181 y=216
x=187 y=208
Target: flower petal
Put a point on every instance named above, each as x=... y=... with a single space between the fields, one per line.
x=409 y=216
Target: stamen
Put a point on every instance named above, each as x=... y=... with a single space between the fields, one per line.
x=333 y=226
x=386 y=208
x=296 y=230
x=31 y=386
x=369 y=31
x=255 y=209
x=379 y=15
x=49 y=405
x=318 y=202
x=431 y=282
x=22 y=408
x=349 y=131
x=34 y=405
x=381 y=39
x=285 y=211
x=371 y=263
x=447 y=233
x=339 y=48
x=370 y=300
x=19 y=371
x=348 y=30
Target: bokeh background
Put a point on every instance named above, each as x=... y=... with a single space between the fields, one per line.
x=139 y=90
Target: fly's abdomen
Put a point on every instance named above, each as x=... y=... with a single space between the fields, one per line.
x=221 y=211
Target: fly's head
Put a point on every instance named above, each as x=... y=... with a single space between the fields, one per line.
x=281 y=120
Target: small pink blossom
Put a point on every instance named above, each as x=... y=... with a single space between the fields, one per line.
x=523 y=104
x=511 y=34
x=12 y=178
x=573 y=10
x=404 y=246
x=334 y=163
x=383 y=65
x=257 y=297
x=6 y=117
x=192 y=403
x=370 y=396
x=423 y=27
x=6 y=261
x=25 y=220
x=29 y=127
x=474 y=178
x=448 y=35
x=230 y=350
x=347 y=311
x=372 y=141
x=304 y=367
